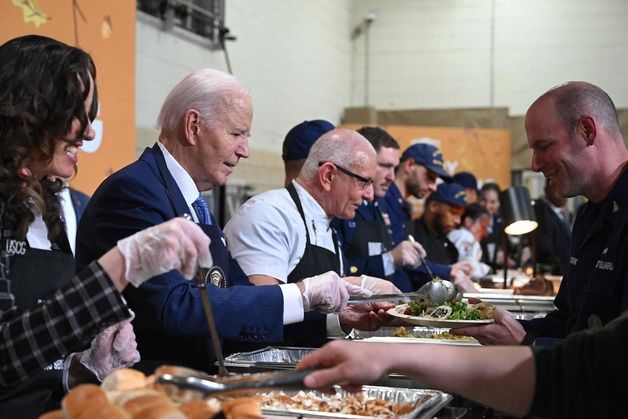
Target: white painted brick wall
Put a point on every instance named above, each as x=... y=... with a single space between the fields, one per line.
x=437 y=53
x=299 y=62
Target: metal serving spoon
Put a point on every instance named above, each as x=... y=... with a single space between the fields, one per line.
x=434 y=293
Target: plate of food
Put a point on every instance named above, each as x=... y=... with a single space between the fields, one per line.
x=449 y=315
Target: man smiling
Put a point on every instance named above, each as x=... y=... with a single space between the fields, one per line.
x=576 y=143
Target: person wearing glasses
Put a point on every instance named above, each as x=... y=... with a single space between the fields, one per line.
x=283 y=235
x=366 y=241
x=59 y=329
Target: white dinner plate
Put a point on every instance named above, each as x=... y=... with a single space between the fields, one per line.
x=428 y=321
x=413 y=340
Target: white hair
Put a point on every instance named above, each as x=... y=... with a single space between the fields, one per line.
x=201 y=90
x=341 y=146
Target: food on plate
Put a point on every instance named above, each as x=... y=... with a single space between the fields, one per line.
x=452 y=310
x=403 y=333
x=354 y=404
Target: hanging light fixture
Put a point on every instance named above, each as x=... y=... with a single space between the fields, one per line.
x=518 y=215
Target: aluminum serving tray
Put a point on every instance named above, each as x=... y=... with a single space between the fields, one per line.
x=419 y=335
x=428 y=403
x=516 y=303
x=272 y=357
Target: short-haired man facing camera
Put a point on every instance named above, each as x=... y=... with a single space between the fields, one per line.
x=420 y=166
x=204 y=129
x=283 y=235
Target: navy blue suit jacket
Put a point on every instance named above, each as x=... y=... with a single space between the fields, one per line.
x=79 y=202
x=169 y=313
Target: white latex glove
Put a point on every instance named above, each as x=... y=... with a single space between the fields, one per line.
x=407 y=253
x=463 y=266
x=378 y=286
x=326 y=292
x=176 y=244
x=113 y=348
x=463 y=282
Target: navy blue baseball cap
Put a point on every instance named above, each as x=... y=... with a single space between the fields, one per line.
x=300 y=138
x=466 y=179
x=450 y=193
x=429 y=156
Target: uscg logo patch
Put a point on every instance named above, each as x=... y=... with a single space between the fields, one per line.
x=15 y=247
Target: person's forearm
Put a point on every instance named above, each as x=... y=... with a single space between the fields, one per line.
x=502 y=377
x=112 y=263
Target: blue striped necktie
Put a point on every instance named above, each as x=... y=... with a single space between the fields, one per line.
x=202 y=211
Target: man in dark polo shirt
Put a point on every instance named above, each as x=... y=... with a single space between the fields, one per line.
x=443 y=212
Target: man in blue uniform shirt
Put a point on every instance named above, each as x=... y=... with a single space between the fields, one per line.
x=442 y=214
x=420 y=166
x=575 y=138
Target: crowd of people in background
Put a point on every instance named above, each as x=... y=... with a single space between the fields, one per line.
x=292 y=257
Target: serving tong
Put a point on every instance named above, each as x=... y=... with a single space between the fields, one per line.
x=254 y=382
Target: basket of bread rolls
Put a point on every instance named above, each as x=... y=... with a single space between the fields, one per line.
x=128 y=393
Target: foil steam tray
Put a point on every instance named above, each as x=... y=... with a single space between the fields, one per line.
x=276 y=357
x=418 y=335
x=386 y=332
x=426 y=402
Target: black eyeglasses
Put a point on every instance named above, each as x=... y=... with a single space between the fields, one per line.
x=362 y=181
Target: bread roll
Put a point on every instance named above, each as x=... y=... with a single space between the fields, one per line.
x=119 y=398
x=54 y=414
x=145 y=402
x=105 y=411
x=160 y=412
x=243 y=408
x=200 y=409
x=124 y=379
x=83 y=397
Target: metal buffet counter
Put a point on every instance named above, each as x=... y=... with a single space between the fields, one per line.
x=523 y=306
x=394 y=388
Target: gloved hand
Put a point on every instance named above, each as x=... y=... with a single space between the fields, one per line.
x=407 y=253
x=326 y=292
x=463 y=282
x=463 y=266
x=113 y=348
x=378 y=286
x=176 y=244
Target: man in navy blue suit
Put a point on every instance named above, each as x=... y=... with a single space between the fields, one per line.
x=204 y=129
x=553 y=236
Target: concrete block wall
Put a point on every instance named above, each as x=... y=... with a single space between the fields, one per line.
x=294 y=56
x=300 y=62
x=478 y=53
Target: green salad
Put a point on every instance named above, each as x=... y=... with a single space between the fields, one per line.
x=453 y=310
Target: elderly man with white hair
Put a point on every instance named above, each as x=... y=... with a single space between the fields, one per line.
x=283 y=235
x=205 y=124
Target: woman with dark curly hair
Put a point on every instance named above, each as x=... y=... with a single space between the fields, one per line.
x=49 y=316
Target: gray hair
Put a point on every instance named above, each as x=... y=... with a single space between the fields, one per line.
x=201 y=90
x=342 y=147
